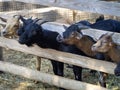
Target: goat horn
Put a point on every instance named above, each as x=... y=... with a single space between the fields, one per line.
x=3 y=19
x=22 y=19
x=36 y=20
x=43 y=22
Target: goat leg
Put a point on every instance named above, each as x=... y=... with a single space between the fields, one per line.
x=1 y=57
x=102 y=78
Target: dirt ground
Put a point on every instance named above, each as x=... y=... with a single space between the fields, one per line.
x=12 y=82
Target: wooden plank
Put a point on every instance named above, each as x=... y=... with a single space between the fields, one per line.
x=47 y=78
x=95 y=6
x=26 y=12
x=77 y=60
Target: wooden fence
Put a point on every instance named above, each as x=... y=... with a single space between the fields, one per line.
x=86 y=5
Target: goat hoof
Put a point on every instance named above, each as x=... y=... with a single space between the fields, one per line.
x=117 y=72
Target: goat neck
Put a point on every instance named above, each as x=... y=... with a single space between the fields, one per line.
x=114 y=53
x=84 y=44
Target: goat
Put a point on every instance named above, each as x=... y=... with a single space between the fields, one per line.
x=12 y=25
x=107 y=25
x=34 y=34
x=106 y=45
x=74 y=36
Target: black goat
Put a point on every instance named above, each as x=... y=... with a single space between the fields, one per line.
x=33 y=33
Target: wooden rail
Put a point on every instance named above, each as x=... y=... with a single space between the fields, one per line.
x=77 y=60
x=95 y=6
x=47 y=78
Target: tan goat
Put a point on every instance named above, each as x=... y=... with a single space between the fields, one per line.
x=106 y=45
x=12 y=25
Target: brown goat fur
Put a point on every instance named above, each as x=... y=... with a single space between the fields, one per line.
x=106 y=45
x=83 y=42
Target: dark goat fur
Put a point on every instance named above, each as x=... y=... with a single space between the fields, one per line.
x=107 y=25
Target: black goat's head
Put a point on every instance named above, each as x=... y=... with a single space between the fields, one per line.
x=25 y=23
x=71 y=31
x=30 y=32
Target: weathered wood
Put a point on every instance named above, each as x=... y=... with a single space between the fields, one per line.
x=77 y=60
x=26 y=12
x=48 y=78
x=38 y=63
x=1 y=56
x=95 y=6
x=1 y=53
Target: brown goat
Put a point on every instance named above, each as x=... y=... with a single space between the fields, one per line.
x=106 y=45
x=84 y=43
x=12 y=25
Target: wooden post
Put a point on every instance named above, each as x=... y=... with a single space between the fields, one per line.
x=1 y=56
x=38 y=63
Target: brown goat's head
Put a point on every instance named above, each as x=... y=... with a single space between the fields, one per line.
x=104 y=44
x=73 y=38
x=12 y=24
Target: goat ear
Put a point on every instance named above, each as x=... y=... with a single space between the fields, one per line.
x=3 y=19
x=78 y=35
x=22 y=19
x=65 y=27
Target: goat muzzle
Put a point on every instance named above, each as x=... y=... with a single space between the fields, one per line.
x=59 y=38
